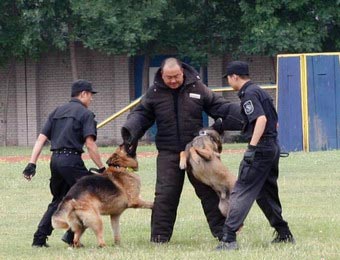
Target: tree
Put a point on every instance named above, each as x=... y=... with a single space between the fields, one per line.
x=196 y=28
x=193 y=29
x=120 y=26
x=10 y=38
x=276 y=26
x=49 y=25
x=11 y=30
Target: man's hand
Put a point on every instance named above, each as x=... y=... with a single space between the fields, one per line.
x=97 y=171
x=249 y=154
x=218 y=126
x=29 y=171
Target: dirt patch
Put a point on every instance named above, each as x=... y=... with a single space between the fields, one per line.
x=85 y=156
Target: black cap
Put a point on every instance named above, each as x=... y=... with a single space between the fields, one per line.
x=81 y=85
x=238 y=68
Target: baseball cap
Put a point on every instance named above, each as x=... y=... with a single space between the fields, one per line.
x=238 y=68
x=81 y=85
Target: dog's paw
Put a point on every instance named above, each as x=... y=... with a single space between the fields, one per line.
x=101 y=245
x=150 y=206
x=182 y=164
x=218 y=155
x=195 y=158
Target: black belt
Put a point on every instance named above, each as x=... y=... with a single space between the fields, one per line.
x=268 y=138
x=66 y=151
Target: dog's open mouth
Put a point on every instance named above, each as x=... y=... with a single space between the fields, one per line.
x=129 y=169
x=122 y=161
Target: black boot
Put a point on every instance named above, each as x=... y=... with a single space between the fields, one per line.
x=68 y=237
x=228 y=242
x=158 y=239
x=227 y=246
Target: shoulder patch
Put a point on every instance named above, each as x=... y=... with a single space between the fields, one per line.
x=248 y=107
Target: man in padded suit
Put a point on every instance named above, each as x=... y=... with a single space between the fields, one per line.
x=175 y=102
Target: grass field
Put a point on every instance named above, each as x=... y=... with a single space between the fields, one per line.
x=309 y=190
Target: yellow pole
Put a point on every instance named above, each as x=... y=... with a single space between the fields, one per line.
x=136 y=102
x=227 y=89
x=304 y=102
x=115 y=115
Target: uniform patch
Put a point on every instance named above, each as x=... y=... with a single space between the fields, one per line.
x=248 y=107
x=193 y=95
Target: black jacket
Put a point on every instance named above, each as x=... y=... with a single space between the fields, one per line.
x=178 y=113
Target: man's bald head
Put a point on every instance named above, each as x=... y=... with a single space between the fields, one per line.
x=172 y=73
x=171 y=63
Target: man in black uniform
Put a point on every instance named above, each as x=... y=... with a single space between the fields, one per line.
x=175 y=102
x=68 y=128
x=259 y=168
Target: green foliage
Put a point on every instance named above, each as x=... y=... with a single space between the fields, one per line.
x=276 y=26
x=29 y=28
x=192 y=28
x=117 y=27
x=11 y=30
x=198 y=28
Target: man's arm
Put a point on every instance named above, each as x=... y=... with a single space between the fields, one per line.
x=39 y=144
x=29 y=171
x=218 y=107
x=92 y=149
x=260 y=125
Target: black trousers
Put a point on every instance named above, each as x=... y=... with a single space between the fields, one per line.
x=66 y=169
x=169 y=185
x=257 y=181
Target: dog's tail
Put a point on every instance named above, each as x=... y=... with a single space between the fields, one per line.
x=60 y=217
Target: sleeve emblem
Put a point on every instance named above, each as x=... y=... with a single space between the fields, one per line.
x=248 y=107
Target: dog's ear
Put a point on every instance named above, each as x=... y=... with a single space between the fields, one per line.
x=112 y=159
x=121 y=149
x=109 y=161
x=217 y=138
x=219 y=145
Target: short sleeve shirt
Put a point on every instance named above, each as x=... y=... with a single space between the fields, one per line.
x=69 y=125
x=255 y=102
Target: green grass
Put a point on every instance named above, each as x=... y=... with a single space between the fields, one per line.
x=309 y=191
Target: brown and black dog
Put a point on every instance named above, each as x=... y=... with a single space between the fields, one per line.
x=108 y=194
x=202 y=158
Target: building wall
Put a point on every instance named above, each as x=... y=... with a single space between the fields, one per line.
x=30 y=90
x=8 y=107
x=262 y=71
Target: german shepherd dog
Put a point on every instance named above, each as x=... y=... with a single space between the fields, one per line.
x=107 y=194
x=201 y=157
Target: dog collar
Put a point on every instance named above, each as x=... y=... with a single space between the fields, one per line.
x=129 y=169
x=202 y=132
